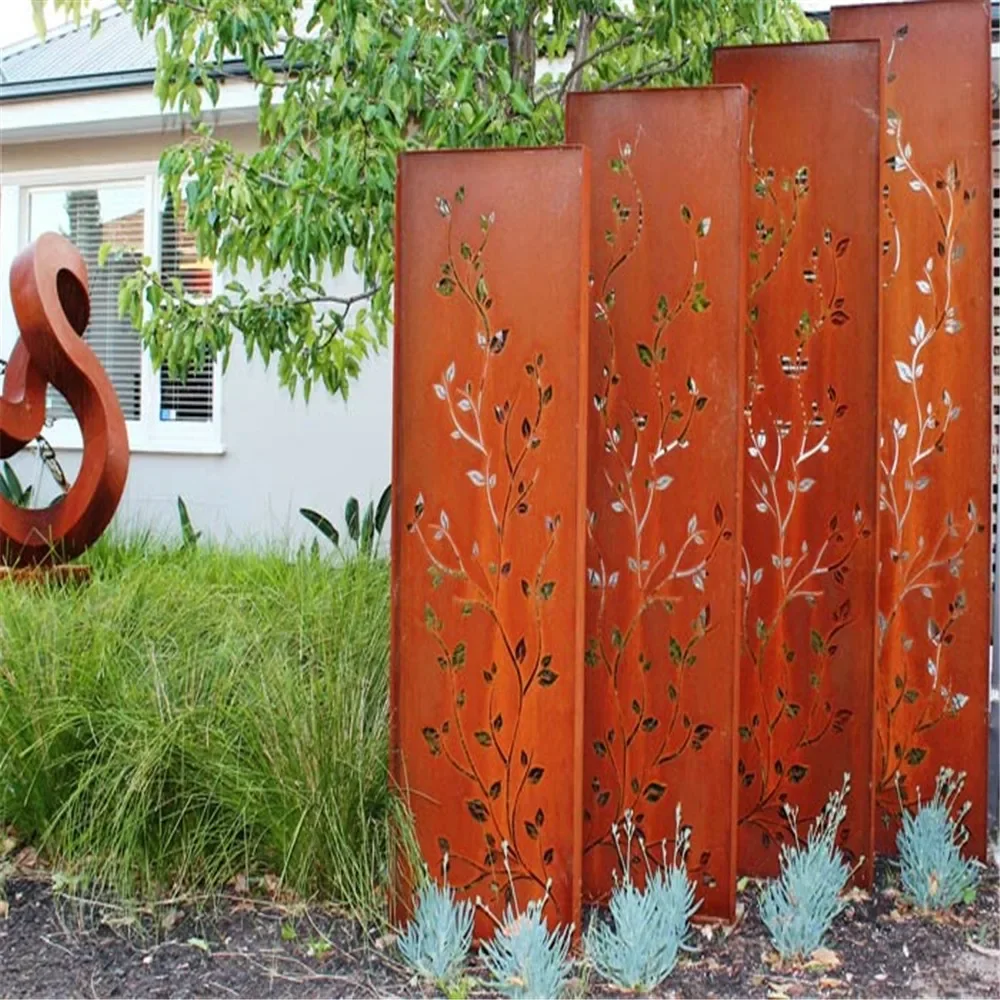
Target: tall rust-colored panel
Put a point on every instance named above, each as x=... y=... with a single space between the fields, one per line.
x=668 y=258
x=811 y=486
x=488 y=518
x=934 y=610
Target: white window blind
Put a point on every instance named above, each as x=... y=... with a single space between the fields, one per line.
x=115 y=212
x=90 y=216
x=189 y=399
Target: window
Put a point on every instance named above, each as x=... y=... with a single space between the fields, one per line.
x=124 y=207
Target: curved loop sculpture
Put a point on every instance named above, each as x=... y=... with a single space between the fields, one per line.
x=49 y=292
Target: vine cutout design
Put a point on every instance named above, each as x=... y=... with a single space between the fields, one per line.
x=917 y=567
x=505 y=474
x=778 y=730
x=638 y=445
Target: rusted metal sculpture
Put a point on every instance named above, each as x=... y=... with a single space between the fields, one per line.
x=668 y=254
x=934 y=597
x=488 y=519
x=811 y=487
x=49 y=292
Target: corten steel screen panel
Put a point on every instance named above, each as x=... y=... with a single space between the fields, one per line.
x=934 y=597
x=668 y=258
x=811 y=486
x=488 y=523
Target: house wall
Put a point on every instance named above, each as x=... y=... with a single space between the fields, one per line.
x=278 y=454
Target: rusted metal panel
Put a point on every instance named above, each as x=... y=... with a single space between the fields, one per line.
x=488 y=529
x=934 y=597
x=50 y=294
x=811 y=487
x=668 y=259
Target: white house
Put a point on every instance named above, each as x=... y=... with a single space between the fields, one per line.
x=80 y=136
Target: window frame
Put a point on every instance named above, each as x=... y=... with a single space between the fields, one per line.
x=148 y=433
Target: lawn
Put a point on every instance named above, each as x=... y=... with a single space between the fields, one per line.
x=193 y=714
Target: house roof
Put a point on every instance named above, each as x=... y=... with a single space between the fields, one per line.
x=70 y=61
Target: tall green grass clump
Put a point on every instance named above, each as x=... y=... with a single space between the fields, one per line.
x=934 y=873
x=192 y=714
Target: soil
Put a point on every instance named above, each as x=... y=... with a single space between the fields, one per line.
x=54 y=942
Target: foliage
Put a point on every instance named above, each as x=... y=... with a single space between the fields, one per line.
x=799 y=906
x=365 y=532
x=344 y=86
x=194 y=714
x=10 y=485
x=437 y=939
x=639 y=948
x=934 y=874
x=189 y=537
x=524 y=958
x=11 y=488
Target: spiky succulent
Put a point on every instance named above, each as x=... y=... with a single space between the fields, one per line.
x=934 y=874
x=799 y=906
x=638 y=948
x=524 y=958
x=435 y=942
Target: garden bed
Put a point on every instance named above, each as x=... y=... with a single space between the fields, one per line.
x=247 y=945
x=192 y=713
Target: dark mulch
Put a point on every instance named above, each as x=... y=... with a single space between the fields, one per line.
x=53 y=944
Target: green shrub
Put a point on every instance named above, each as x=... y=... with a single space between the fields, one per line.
x=934 y=874
x=799 y=906
x=191 y=714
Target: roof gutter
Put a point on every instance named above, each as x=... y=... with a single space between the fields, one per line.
x=118 y=80
x=76 y=84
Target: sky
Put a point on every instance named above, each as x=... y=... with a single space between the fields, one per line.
x=16 y=23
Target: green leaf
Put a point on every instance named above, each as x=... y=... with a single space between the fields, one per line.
x=366 y=543
x=322 y=524
x=352 y=513
x=382 y=510
x=189 y=537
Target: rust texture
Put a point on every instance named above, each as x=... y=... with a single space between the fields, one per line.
x=668 y=259
x=811 y=486
x=934 y=597
x=49 y=292
x=488 y=530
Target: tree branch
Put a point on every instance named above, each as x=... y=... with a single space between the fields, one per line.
x=658 y=68
x=579 y=64
x=341 y=300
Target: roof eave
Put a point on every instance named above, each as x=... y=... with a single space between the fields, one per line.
x=76 y=85
x=118 y=80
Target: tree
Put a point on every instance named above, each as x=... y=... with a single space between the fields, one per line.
x=344 y=87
